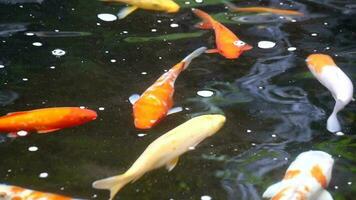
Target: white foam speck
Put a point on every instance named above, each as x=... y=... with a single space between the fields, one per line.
x=340 y=133
x=22 y=133
x=336 y=187
x=43 y=175
x=206 y=197
x=37 y=44
x=25 y=79
x=29 y=34
x=2 y=66
x=107 y=17
x=58 y=52
x=173 y=25
x=187 y=2
x=52 y=67
x=349 y=183
x=199 y=1
x=154 y=30
x=292 y=49
x=266 y=44
x=314 y=34
x=274 y=135
x=101 y=108
x=113 y=60
x=191 y=148
x=33 y=148
x=141 y=135
x=205 y=93
x=159 y=21
x=248 y=131
x=143 y=73
x=82 y=107
x=125 y=32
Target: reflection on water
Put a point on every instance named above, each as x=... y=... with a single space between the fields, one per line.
x=6 y=30
x=7 y=97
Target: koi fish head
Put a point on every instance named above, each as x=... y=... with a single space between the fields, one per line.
x=83 y=115
x=235 y=49
x=316 y=62
x=166 y=5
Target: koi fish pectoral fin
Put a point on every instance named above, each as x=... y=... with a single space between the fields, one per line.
x=212 y=51
x=324 y=195
x=48 y=130
x=171 y=164
x=126 y=11
x=274 y=189
x=175 y=110
x=133 y=98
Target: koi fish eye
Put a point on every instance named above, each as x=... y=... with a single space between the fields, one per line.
x=239 y=43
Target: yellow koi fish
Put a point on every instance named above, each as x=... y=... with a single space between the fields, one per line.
x=165 y=150
x=168 y=6
x=306 y=178
x=259 y=9
x=336 y=81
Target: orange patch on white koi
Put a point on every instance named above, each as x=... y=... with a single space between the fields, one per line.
x=280 y=194
x=291 y=174
x=318 y=61
x=318 y=174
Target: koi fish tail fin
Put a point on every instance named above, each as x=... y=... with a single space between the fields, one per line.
x=187 y=60
x=274 y=189
x=114 y=184
x=207 y=20
x=324 y=195
x=333 y=124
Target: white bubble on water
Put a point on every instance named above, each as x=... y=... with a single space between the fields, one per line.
x=143 y=73
x=29 y=34
x=2 y=66
x=153 y=30
x=101 y=108
x=58 y=52
x=37 y=44
x=199 y=1
x=205 y=93
x=174 y=25
x=339 y=133
x=266 y=44
x=141 y=135
x=43 y=175
x=25 y=79
x=206 y=197
x=113 y=60
x=22 y=133
x=107 y=17
x=292 y=49
x=33 y=148
x=314 y=34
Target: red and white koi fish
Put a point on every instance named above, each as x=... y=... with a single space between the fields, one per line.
x=227 y=43
x=306 y=178
x=336 y=81
x=156 y=102
x=45 y=120
x=8 y=192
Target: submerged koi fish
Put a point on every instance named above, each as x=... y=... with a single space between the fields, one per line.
x=165 y=150
x=227 y=43
x=156 y=102
x=277 y=11
x=336 y=81
x=45 y=120
x=168 y=6
x=306 y=178
x=8 y=192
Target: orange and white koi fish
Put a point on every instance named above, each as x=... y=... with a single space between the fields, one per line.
x=45 y=120
x=336 y=81
x=306 y=178
x=8 y=192
x=156 y=102
x=257 y=9
x=165 y=150
x=227 y=43
x=168 y=6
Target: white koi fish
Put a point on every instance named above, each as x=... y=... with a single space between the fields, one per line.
x=336 y=81
x=306 y=178
x=165 y=150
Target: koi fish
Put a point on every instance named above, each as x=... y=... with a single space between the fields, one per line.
x=306 y=178
x=156 y=102
x=257 y=9
x=336 y=81
x=227 y=43
x=8 y=192
x=165 y=150
x=45 y=120
x=168 y=6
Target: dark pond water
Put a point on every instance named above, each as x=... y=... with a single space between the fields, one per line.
x=275 y=108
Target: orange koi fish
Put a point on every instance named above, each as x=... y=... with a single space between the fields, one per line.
x=257 y=9
x=157 y=100
x=306 y=178
x=336 y=81
x=227 y=43
x=8 y=192
x=45 y=120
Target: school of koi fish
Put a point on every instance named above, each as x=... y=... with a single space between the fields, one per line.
x=307 y=177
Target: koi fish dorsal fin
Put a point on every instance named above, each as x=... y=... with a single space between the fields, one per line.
x=16 y=113
x=126 y=11
x=207 y=19
x=171 y=164
x=324 y=195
